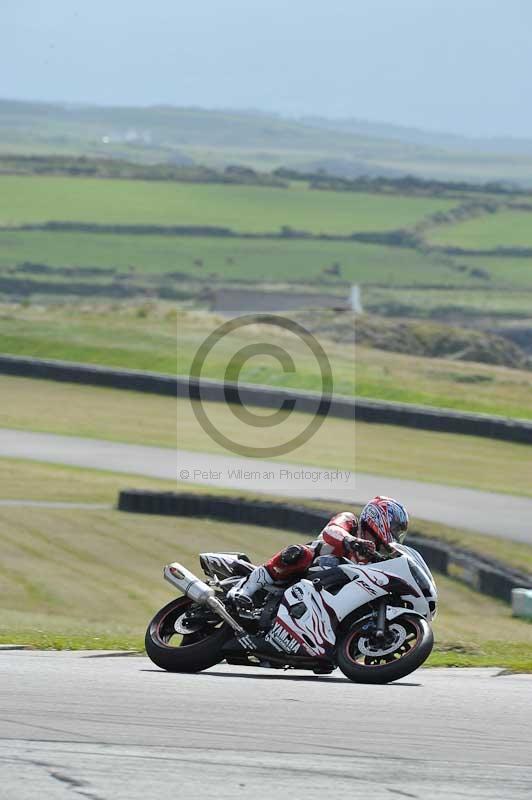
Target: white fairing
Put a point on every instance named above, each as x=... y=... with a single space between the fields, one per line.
x=313 y=628
x=376 y=580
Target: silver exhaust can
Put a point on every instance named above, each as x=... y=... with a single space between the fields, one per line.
x=198 y=591
x=184 y=580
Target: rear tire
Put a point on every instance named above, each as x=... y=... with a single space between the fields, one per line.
x=409 y=656
x=195 y=652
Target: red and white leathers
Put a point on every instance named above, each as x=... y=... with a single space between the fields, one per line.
x=335 y=540
x=337 y=535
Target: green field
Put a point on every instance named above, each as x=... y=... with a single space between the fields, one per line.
x=145 y=338
x=138 y=265
x=92 y=579
x=378 y=449
x=28 y=199
x=502 y=271
x=228 y=259
x=451 y=304
x=503 y=229
x=263 y=260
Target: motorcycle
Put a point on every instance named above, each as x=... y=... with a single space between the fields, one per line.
x=373 y=621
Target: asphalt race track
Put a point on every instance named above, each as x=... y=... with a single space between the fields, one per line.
x=116 y=728
x=464 y=508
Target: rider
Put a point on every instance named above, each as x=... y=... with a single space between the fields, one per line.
x=381 y=521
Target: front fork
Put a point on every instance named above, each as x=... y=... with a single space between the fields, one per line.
x=380 y=626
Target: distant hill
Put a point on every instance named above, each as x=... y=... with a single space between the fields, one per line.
x=431 y=139
x=259 y=140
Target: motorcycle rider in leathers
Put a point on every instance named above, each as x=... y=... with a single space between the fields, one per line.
x=382 y=520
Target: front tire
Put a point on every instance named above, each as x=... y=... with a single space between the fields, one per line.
x=193 y=652
x=364 y=661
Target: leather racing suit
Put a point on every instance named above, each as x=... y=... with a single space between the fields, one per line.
x=336 y=541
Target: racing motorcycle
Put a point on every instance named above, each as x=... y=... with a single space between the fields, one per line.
x=373 y=621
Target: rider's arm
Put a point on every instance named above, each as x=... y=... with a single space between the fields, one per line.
x=337 y=538
x=343 y=544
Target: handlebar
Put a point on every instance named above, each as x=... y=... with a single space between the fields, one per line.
x=376 y=556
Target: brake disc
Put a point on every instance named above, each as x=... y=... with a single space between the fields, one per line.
x=191 y=625
x=372 y=650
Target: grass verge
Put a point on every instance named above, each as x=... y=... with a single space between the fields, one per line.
x=153 y=420
x=157 y=337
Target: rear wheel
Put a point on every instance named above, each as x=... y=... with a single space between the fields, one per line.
x=407 y=644
x=171 y=647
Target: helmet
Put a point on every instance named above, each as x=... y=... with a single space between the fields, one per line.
x=384 y=519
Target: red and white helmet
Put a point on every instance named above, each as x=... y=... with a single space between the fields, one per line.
x=384 y=519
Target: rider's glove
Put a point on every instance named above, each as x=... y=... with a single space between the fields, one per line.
x=361 y=547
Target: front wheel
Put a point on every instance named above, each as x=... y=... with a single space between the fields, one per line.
x=175 y=651
x=407 y=644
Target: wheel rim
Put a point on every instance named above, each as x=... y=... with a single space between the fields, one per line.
x=164 y=632
x=401 y=640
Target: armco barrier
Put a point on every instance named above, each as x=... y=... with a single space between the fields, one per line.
x=483 y=575
x=364 y=410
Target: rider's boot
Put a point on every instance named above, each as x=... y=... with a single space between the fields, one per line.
x=242 y=595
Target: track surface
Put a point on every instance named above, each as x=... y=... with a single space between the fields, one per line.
x=496 y=514
x=79 y=724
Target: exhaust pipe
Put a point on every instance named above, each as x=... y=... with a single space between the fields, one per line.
x=199 y=592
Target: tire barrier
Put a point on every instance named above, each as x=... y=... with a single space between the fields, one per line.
x=444 y=420
x=88 y=374
x=482 y=574
x=361 y=409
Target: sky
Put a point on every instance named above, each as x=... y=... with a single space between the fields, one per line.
x=462 y=66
